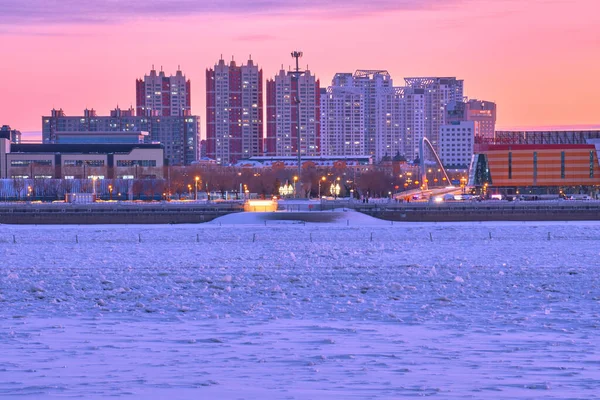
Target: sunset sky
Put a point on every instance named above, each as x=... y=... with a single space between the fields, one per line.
x=537 y=59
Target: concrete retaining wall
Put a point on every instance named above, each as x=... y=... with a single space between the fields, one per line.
x=115 y=213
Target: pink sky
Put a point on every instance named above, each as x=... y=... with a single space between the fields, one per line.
x=537 y=59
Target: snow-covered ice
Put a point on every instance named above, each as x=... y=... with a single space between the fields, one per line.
x=355 y=308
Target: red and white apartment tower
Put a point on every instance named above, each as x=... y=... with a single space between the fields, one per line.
x=282 y=109
x=234 y=112
x=158 y=95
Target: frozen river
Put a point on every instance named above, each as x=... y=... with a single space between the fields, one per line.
x=358 y=308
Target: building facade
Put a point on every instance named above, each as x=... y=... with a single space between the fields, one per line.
x=79 y=137
x=456 y=144
x=395 y=119
x=538 y=162
x=535 y=165
x=158 y=95
x=374 y=85
x=438 y=93
x=413 y=121
x=282 y=112
x=342 y=122
x=77 y=161
x=234 y=111
x=380 y=134
x=481 y=112
x=179 y=135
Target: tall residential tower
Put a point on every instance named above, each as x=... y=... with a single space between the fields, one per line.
x=234 y=111
x=438 y=92
x=282 y=111
x=158 y=95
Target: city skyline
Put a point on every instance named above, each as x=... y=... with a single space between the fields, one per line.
x=517 y=55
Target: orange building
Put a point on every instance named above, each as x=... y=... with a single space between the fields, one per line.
x=537 y=166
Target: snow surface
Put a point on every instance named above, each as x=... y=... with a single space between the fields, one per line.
x=357 y=308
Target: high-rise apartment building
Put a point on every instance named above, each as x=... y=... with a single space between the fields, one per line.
x=282 y=109
x=158 y=95
x=376 y=91
x=374 y=84
x=413 y=121
x=438 y=92
x=342 y=121
x=179 y=135
x=389 y=139
x=400 y=122
x=234 y=111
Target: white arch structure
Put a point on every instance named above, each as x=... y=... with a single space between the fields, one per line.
x=422 y=143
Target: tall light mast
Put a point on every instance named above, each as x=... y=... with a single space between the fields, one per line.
x=296 y=74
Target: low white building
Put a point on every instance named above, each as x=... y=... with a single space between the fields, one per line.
x=80 y=161
x=456 y=144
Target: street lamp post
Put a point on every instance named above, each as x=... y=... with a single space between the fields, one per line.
x=296 y=74
x=196 y=187
x=321 y=180
x=94 y=187
x=295 y=181
x=110 y=190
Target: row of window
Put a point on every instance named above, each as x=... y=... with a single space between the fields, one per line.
x=80 y=163
x=26 y=163
x=132 y=163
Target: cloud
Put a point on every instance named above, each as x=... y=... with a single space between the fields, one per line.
x=114 y=11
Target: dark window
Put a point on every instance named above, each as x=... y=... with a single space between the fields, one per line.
x=510 y=165
x=80 y=163
x=535 y=165
x=131 y=163
x=562 y=165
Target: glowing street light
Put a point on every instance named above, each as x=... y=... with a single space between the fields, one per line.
x=321 y=180
x=110 y=190
x=295 y=182
x=196 y=180
x=463 y=184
